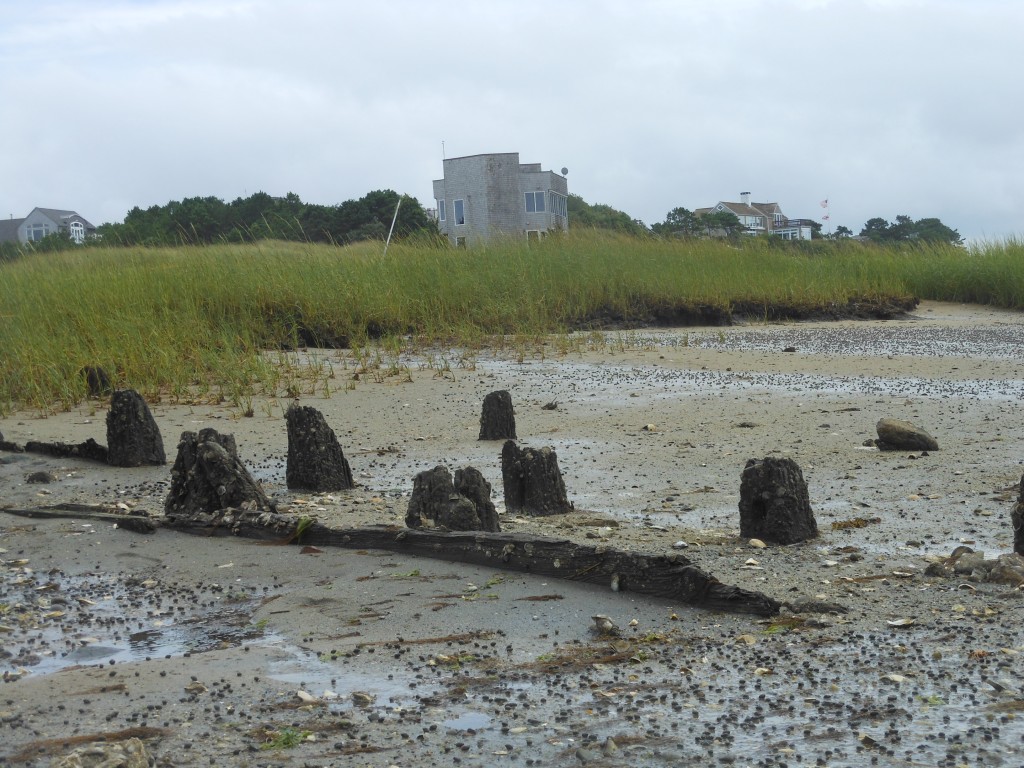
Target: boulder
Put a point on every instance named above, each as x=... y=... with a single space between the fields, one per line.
x=208 y=476
x=497 y=418
x=464 y=505
x=133 y=437
x=532 y=481
x=774 y=503
x=898 y=435
x=315 y=459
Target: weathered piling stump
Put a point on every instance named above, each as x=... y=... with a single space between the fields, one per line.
x=316 y=461
x=774 y=504
x=899 y=435
x=497 y=418
x=97 y=382
x=1017 y=520
x=133 y=437
x=532 y=481
x=464 y=505
x=208 y=476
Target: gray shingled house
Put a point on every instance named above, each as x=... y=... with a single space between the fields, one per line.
x=762 y=218
x=47 y=221
x=494 y=195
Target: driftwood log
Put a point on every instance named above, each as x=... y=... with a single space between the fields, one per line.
x=137 y=523
x=89 y=449
x=669 y=576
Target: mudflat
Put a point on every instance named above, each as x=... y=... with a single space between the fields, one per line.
x=220 y=651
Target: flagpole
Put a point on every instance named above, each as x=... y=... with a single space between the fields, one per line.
x=828 y=216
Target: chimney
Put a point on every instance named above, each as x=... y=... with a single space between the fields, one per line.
x=745 y=198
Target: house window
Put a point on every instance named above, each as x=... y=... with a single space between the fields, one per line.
x=77 y=232
x=460 y=242
x=440 y=210
x=532 y=235
x=37 y=232
x=460 y=212
x=559 y=205
x=535 y=202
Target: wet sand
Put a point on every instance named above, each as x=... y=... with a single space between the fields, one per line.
x=652 y=433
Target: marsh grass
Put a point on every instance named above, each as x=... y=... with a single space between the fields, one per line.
x=196 y=323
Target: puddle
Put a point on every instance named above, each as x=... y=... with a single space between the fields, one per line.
x=324 y=677
x=53 y=620
x=468 y=721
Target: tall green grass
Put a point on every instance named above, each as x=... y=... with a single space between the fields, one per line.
x=181 y=321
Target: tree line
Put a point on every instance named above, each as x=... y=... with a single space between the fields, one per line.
x=205 y=220
x=686 y=223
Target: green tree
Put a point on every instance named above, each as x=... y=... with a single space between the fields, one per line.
x=906 y=229
x=876 y=229
x=933 y=230
x=678 y=221
x=600 y=216
x=721 y=222
x=842 y=233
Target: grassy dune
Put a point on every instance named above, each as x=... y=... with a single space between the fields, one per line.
x=190 y=322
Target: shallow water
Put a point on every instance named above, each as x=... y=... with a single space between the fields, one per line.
x=55 y=620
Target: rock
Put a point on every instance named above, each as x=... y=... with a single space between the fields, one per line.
x=497 y=419
x=774 y=504
x=973 y=563
x=315 y=459
x=208 y=476
x=1007 y=569
x=464 y=505
x=604 y=625
x=41 y=477
x=1017 y=521
x=897 y=435
x=131 y=753
x=133 y=437
x=964 y=562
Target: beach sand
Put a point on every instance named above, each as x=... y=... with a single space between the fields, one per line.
x=209 y=640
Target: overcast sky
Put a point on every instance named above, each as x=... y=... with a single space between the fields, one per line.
x=884 y=107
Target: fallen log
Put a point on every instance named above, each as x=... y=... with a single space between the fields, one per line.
x=669 y=576
x=128 y=522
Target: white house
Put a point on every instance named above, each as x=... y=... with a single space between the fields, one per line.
x=46 y=221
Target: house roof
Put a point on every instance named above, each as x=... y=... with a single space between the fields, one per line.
x=9 y=229
x=61 y=215
x=743 y=209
